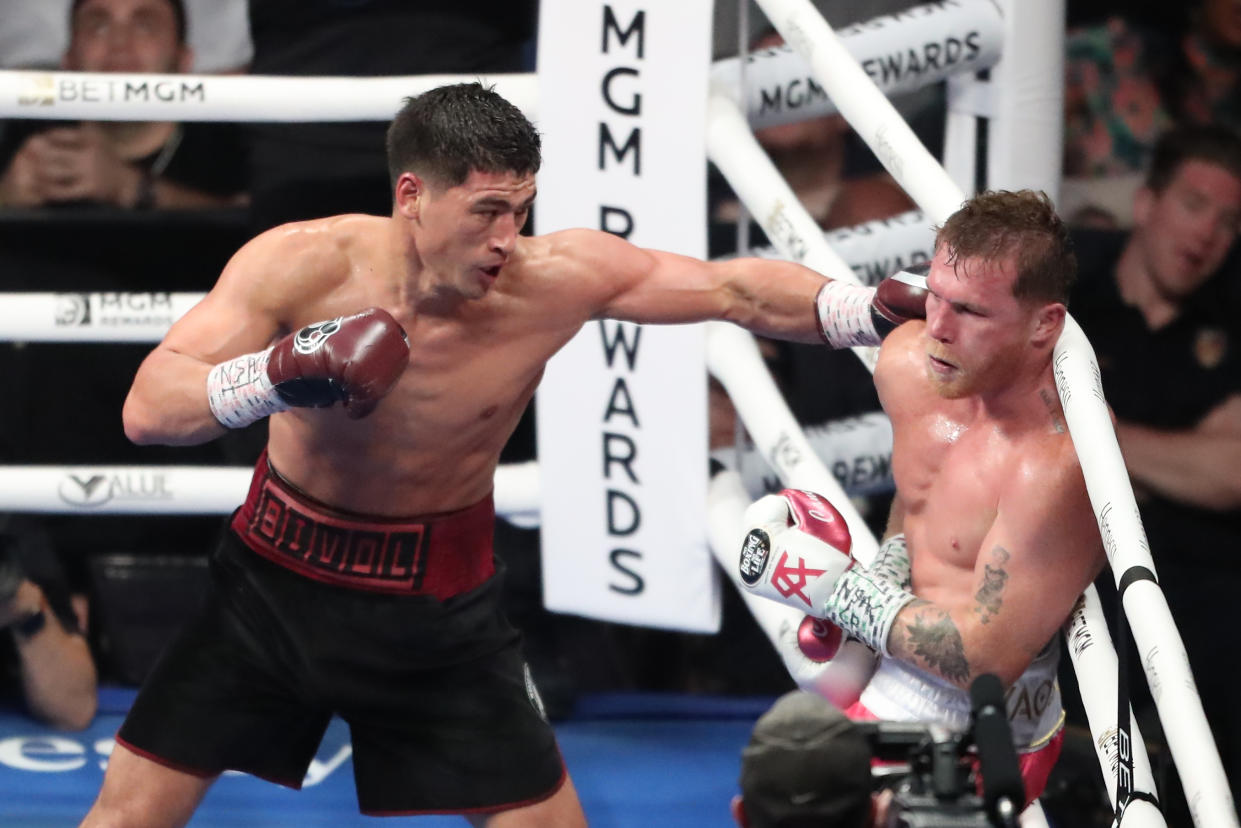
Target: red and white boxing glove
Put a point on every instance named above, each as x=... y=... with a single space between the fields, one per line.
x=797 y=552
x=351 y=359
x=852 y=315
x=796 y=547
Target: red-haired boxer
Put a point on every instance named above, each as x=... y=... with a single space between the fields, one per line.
x=358 y=577
x=991 y=537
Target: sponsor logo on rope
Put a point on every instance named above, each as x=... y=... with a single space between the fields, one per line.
x=113 y=310
x=94 y=490
x=49 y=90
x=72 y=309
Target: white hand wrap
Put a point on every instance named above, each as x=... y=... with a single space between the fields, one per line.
x=844 y=312
x=892 y=562
x=240 y=393
x=865 y=602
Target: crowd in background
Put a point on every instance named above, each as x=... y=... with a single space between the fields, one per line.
x=1158 y=296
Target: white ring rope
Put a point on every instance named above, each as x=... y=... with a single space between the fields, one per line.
x=875 y=249
x=900 y=52
x=870 y=114
x=1154 y=630
x=955 y=37
x=117 y=96
x=1090 y=648
x=192 y=490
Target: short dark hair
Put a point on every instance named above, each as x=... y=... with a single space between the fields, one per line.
x=446 y=133
x=178 y=14
x=1211 y=144
x=996 y=224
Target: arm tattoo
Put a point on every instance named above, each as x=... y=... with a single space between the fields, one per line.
x=932 y=636
x=993 y=580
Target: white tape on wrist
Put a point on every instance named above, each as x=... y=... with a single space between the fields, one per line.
x=865 y=605
x=891 y=562
x=240 y=393
x=844 y=312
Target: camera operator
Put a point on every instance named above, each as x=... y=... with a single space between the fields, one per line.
x=806 y=765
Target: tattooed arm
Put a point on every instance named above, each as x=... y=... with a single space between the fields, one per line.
x=1041 y=552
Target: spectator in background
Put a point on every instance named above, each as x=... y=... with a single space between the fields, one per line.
x=35 y=35
x=806 y=765
x=125 y=164
x=1170 y=359
x=46 y=662
x=1126 y=84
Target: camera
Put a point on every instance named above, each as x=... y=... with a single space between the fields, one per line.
x=941 y=783
x=930 y=774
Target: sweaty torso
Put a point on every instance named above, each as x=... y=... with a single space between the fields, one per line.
x=952 y=463
x=433 y=443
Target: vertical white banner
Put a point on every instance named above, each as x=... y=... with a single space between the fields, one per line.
x=622 y=410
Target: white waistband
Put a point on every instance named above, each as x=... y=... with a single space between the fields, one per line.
x=903 y=693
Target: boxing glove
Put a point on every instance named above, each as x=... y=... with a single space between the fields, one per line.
x=351 y=359
x=797 y=552
x=852 y=315
x=795 y=548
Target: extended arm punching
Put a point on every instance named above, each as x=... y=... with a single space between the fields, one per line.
x=776 y=299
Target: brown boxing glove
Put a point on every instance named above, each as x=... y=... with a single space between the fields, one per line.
x=851 y=315
x=900 y=297
x=351 y=359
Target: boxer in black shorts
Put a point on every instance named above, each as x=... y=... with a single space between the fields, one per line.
x=394 y=356
x=298 y=632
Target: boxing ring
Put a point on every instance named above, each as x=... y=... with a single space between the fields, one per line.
x=1020 y=103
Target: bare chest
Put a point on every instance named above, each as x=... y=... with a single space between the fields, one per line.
x=950 y=478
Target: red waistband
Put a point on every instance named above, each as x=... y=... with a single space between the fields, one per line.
x=441 y=555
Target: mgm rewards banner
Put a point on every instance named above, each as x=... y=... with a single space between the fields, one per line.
x=622 y=411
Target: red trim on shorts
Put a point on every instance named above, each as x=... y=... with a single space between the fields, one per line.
x=487 y=809
x=439 y=555
x=199 y=772
x=1035 y=765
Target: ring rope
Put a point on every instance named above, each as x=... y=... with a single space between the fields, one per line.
x=961 y=37
x=192 y=490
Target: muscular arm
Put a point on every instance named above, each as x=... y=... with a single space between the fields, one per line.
x=771 y=298
x=167 y=403
x=1197 y=466
x=1038 y=556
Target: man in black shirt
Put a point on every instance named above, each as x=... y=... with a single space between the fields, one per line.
x=1169 y=348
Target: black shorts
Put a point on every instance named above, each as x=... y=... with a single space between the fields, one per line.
x=438 y=698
